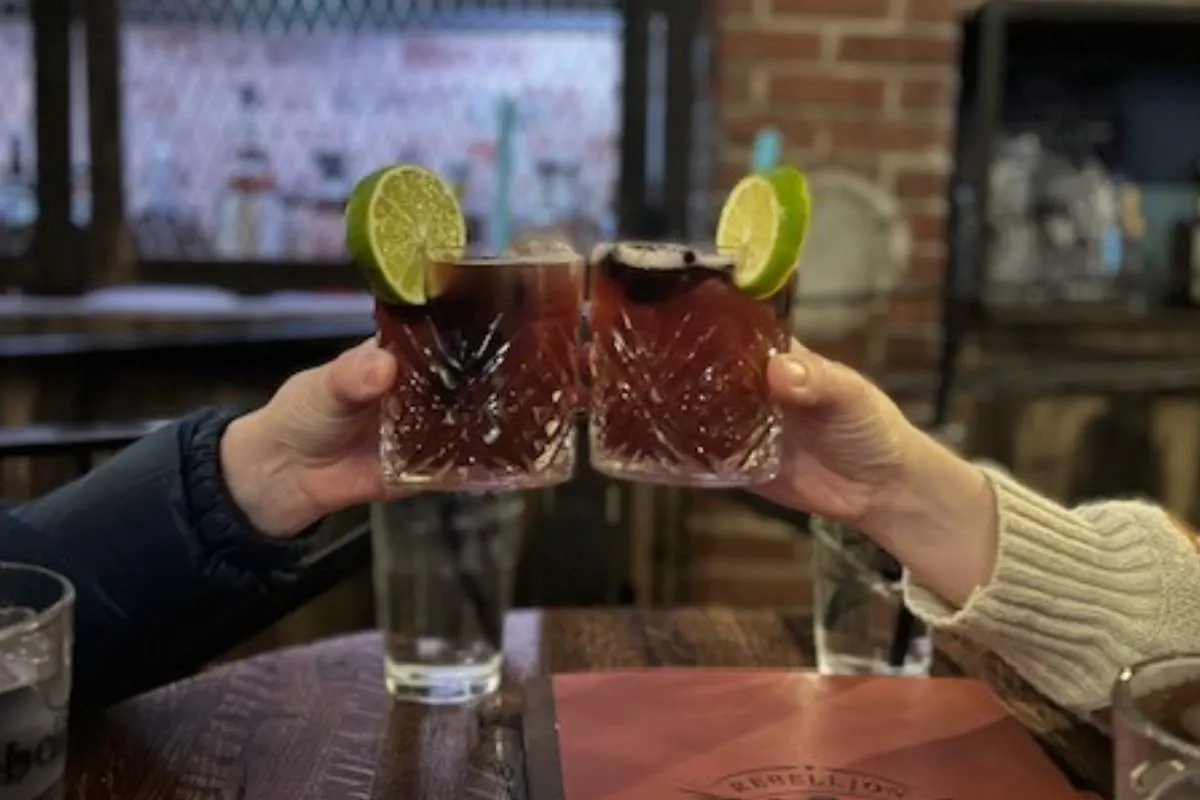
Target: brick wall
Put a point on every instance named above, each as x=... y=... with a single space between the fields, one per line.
x=867 y=85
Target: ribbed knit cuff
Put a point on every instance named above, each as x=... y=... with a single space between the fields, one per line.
x=1074 y=598
x=230 y=541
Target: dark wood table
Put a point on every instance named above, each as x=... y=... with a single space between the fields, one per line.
x=315 y=723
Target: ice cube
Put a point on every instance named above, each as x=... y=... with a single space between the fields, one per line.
x=539 y=246
x=15 y=615
x=25 y=659
x=652 y=256
x=16 y=673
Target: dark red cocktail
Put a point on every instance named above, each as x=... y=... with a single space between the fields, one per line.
x=488 y=387
x=678 y=392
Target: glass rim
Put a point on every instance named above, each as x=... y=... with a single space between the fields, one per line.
x=1126 y=705
x=463 y=256
x=47 y=615
x=700 y=245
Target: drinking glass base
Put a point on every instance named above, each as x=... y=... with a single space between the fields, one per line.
x=666 y=476
x=841 y=664
x=474 y=482
x=441 y=685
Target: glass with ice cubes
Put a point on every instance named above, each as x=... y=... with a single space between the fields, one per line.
x=36 y=634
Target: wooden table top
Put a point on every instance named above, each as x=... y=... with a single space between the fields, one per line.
x=315 y=722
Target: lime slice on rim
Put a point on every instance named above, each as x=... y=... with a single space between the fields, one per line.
x=393 y=217
x=766 y=217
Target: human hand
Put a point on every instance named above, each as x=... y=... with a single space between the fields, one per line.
x=845 y=441
x=313 y=448
x=852 y=455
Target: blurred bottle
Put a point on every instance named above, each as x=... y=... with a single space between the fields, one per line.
x=326 y=226
x=18 y=200
x=459 y=175
x=250 y=211
x=1135 y=277
x=558 y=212
x=81 y=195
x=1184 y=281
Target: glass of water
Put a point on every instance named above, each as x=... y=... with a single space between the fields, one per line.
x=444 y=568
x=1156 y=730
x=857 y=597
x=36 y=634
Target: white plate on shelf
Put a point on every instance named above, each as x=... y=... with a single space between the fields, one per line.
x=858 y=245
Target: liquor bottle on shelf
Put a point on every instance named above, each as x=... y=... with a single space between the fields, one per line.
x=1184 y=289
x=18 y=201
x=1134 y=276
x=459 y=174
x=81 y=195
x=250 y=215
x=326 y=223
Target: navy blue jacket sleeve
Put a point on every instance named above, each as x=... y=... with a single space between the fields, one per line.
x=167 y=571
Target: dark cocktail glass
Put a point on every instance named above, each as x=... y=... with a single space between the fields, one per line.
x=678 y=380
x=488 y=384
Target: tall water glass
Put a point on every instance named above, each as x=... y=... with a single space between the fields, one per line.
x=857 y=596
x=444 y=569
x=36 y=635
x=1156 y=730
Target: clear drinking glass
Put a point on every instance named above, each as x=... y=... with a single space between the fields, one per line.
x=36 y=635
x=1156 y=730
x=678 y=379
x=444 y=568
x=857 y=597
x=488 y=385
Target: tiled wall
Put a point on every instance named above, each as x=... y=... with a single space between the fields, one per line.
x=425 y=96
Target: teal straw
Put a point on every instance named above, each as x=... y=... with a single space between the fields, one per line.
x=501 y=207
x=768 y=150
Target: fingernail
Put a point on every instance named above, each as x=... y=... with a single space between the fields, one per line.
x=795 y=372
x=372 y=367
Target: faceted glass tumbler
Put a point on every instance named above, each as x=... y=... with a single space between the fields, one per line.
x=488 y=386
x=678 y=372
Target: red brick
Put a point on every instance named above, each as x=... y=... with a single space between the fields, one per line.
x=927 y=227
x=740 y=130
x=824 y=90
x=757 y=46
x=831 y=8
x=914 y=184
x=926 y=269
x=933 y=10
x=914 y=310
x=735 y=8
x=928 y=94
x=898 y=50
x=884 y=136
x=733 y=86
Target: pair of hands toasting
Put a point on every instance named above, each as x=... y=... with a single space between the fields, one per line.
x=849 y=454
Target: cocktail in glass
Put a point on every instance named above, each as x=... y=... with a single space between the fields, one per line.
x=488 y=384
x=678 y=380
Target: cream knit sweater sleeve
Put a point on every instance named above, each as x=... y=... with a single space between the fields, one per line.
x=1078 y=594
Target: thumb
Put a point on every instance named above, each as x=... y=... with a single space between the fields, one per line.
x=804 y=379
x=355 y=380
